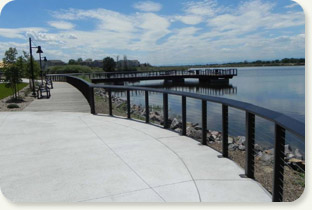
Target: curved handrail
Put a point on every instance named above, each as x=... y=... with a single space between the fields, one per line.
x=281 y=121
x=290 y=124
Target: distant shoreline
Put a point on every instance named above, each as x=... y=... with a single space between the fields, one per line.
x=251 y=65
x=186 y=67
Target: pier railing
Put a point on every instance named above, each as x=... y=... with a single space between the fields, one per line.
x=147 y=74
x=282 y=123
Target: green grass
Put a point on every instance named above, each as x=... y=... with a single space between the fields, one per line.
x=85 y=78
x=5 y=92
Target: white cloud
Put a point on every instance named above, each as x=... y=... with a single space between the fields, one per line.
x=252 y=16
x=63 y=25
x=18 y=33
x=251 y=30
x=291 y=5
x=148 y=6
x=203 y=8
x=190 y=19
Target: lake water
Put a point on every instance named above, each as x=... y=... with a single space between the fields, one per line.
x=281 y=89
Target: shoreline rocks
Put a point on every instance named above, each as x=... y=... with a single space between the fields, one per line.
x=293 y=159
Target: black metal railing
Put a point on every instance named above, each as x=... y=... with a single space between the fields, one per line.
x=152 y=74
x=282 y=122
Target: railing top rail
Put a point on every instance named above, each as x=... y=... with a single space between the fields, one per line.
x=294 y=126
x=230 y=70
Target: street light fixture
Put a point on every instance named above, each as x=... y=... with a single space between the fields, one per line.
x=39 y=51
x=41 y=73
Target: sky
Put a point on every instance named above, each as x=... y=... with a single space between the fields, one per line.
x=162 y=32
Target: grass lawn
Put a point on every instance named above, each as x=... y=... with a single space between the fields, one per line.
x=5 y=92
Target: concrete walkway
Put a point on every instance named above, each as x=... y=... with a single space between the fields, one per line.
x=78 y=157
x=64 y=98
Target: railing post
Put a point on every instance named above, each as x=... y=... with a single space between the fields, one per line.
x=225 y=128
x=128 y=105
x=146 y=107
x=110 y=105
x=204 y=122
x=91 y=100
x=279 y=155
x=250 y=145
x=165 y=107
x=183 y=115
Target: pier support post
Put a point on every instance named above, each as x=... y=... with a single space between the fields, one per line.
x=225 y=132
x=204 y=122
x=183 y=115
x=250 y=145
x=279 y=155
x=128 y=105
x=146 y=107
x=165 y=107
x=110 y=105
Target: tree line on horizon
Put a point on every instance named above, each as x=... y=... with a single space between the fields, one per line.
x=284 y=61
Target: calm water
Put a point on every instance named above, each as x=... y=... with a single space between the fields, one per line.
x=281 y=89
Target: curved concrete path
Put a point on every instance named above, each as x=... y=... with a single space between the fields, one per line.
x=79 y=157
x=64 y=98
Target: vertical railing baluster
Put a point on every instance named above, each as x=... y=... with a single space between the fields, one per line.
x=184 y=115
x=204 y=122
x=110 y=105
x=128 y=105
x=165 y=107
x=279 y=155
x=250 y=145
x=225 y=128
x=146 y=107
x=91 y=100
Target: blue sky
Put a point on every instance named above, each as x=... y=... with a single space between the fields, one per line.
x=159 y=32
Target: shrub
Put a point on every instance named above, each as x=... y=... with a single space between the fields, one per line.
x=12 y=106
x=66 y=69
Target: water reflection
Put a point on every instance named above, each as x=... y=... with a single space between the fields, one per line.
x=277 y=88
x=193 y=87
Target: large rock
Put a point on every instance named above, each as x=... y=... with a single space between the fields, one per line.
x=192 y=132
x=230 y=140
x=241 y=140
x=298 y=155
x=156 y=118
x=258 y=148
x=290 y=156
x=269 y=151
x=241 y=147
x=232 y=147
x=267 y=158
x=178 y=130
x=157 y=113
x=297 y=164
x=210 y=138
x=215 y=133
x=287 y=149
x=175 y=124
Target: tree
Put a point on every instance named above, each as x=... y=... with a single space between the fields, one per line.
x=27 y=68
x=72 y=62
x=109 y=64
x=12 y=72
x=79 y=60
x=13 y=76
x=10 y=56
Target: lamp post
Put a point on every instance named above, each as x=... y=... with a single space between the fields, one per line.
x=41 y=73
x=32 y=69
x=32 y=66
x=44 y=66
